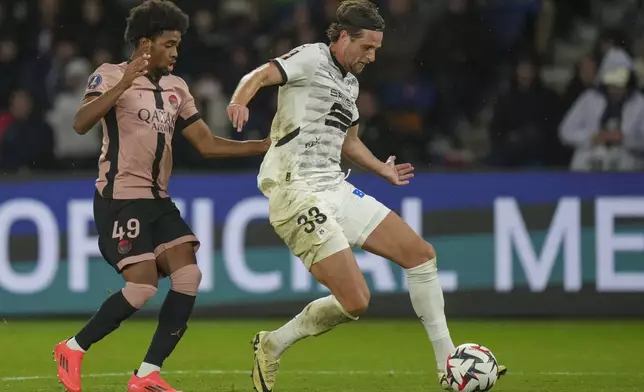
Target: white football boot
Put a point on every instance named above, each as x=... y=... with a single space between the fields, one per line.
x=265 y=366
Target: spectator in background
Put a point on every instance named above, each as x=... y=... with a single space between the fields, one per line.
x=211 y=103
x=406 y=28
x=43 y=75
x=519 y=24
x=373 y=130
x=638 y=54
x=101 y=55
x=9 y=69
x=523 y=131
x=96 y=28
x=203 y=41
x=606 y=125
x=28 y=142
x=456 y=55
x=584 y=77
x=609 y=39
x=405 y=105
x=44 y=22
x=73 y=150
x=303 y=29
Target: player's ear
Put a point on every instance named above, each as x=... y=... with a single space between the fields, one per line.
x=146 y=45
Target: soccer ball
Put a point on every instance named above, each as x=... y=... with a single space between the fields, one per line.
x=471 y=368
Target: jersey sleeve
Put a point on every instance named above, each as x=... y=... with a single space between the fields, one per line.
x=188 y=112
x=355 y=118
x=299 y=64
x=100 y=81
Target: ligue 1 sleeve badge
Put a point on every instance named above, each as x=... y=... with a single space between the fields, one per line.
x=174 y=101
x=94 y=81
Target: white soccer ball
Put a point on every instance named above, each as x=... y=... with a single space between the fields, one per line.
x=471 y=368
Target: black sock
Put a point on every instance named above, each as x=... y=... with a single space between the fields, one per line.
x=106 y=320
x=173 y=319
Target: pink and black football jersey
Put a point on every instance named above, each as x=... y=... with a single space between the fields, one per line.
x=136 y=156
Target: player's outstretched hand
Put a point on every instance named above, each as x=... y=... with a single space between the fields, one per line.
x=266 y=143
x=398 y=174
x=238 y=115
x=136 y=68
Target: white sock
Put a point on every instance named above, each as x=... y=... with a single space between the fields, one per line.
x=73 y=344
x=428 y=302
x=147 y=368
x=318 y=317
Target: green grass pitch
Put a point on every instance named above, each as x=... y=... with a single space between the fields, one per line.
x=392 y=356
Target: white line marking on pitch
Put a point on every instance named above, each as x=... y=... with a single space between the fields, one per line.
x=310 y=372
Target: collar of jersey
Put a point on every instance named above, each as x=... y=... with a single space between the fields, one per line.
x=337 y=64
x=155 y=79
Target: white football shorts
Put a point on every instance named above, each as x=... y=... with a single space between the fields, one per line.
x=315 y=225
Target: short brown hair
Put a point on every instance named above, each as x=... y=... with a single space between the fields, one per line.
x=354 y=16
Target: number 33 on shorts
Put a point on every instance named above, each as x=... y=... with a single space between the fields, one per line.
x=313 y=220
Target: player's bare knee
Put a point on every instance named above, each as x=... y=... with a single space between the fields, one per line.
x=418 y=254
x=186 y=280
x=428 y=252
x=358 y=303
x=137 y=294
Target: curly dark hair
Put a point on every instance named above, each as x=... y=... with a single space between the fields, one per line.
x=354 y=16
x=151 y=18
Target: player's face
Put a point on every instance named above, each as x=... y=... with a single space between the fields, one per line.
x=362 y=51
x=165 y=50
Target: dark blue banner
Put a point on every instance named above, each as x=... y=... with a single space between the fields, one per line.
x=494 y=232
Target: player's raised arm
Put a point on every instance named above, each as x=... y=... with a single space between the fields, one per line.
x=266 y=75
x=294 y=67
x=197 y=132
x=211 y=146
x=101 y=95
x=354 y=150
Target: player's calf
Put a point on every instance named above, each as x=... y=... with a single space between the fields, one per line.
x=395 y=240
x=173 y=317
x=350 y=299
x=318 y=317
x=117 y=308
x=428 y=302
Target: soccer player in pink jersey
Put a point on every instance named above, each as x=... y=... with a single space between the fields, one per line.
x=141 y=233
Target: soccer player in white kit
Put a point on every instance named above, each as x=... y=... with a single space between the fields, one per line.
x=317 y=213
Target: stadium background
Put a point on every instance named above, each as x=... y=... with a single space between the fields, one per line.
x=517 y=233
x=472 y=92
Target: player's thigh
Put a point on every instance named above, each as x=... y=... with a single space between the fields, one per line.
x=306 y=224
x=175 y=244
x=145 y=272
x=341 y=274
x=393 y=239
x=124 y=232
x=358 y=213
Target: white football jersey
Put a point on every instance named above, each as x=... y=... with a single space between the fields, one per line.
x=316 y=106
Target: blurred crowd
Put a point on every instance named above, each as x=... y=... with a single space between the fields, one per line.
x=458 y=84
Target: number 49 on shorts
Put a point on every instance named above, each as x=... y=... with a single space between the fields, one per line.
x=133 y=229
